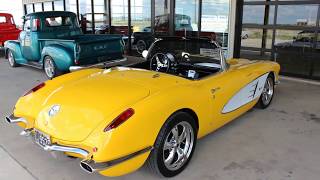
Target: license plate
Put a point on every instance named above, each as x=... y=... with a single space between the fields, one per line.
x=42 y=139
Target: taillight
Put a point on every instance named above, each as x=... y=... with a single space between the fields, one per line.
x=120 y=119
x=36 y=88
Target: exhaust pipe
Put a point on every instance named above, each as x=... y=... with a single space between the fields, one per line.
x=86 y=167
x=13 y=120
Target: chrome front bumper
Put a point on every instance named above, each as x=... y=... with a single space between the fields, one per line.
x=100 y=65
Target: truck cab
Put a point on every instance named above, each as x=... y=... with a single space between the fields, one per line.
x=53 y=41
x=8 y=28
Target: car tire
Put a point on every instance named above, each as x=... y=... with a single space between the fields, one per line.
x=267 y=93
x=50 y=68
x=177 y=149
x=11 y=59
x=141 y=46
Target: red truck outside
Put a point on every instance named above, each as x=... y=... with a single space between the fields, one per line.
x=8 y=29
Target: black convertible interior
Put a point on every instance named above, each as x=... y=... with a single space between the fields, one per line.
x=188 y=58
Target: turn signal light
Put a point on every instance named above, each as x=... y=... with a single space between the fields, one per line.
x=120 y=119
x=36 y=88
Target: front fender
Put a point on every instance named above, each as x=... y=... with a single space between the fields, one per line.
x=14 y=47
x=60 y=55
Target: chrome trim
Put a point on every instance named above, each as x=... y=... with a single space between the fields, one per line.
x=92 y=166
x=67 y=149
x=13 y=120
x=99 y=65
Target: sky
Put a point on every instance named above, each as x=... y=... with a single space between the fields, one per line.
x=13 y=7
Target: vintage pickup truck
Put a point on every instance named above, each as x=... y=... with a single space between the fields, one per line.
x=8 y=29
x=54 y=42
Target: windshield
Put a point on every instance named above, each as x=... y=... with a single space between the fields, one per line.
x=199 y=50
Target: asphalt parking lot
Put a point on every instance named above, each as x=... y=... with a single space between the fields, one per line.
x=279 y=143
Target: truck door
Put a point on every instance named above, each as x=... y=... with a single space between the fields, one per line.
x=29 y=39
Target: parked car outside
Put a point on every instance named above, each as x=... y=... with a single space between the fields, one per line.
x=8 y=28
x=53 y=41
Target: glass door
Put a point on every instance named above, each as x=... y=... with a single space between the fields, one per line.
x=186 y=18
x=162 y=17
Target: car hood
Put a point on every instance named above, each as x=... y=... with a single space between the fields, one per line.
x=88 y=101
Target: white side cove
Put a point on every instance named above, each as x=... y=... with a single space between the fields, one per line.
x=247 y=94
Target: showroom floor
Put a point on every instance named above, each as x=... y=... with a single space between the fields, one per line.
x=279 y=143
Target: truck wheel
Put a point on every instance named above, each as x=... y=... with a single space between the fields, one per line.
x=141 y=46
x=174 y=145
x=50 y=68
x=11 y=59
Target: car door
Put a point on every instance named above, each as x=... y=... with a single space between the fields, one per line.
x=29 y=39
x=233 y=92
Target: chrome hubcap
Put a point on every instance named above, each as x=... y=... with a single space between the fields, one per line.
x=49 y=68
x=10 y=58
x=178 y=146
x=267 y=92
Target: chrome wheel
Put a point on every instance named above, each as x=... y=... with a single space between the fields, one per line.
x=178 y=146
x=267 y=92
x=141 y=46
x=11 y=59
x=49 y=67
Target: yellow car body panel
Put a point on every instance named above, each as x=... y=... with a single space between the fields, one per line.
x=91 y=99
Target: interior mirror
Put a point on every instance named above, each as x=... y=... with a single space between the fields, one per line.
x=145 y=54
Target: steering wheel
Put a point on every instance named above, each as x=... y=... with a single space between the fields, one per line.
x=161 y=62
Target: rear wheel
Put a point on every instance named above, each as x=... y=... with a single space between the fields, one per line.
x=50 y=68
x=11 y=59
x=267 y=93
x=174 y=146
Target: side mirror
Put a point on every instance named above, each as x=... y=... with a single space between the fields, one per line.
x=145 y=54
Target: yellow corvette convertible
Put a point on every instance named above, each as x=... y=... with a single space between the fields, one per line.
x=117 y=119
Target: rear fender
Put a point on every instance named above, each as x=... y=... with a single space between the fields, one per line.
x=60 y=55
x=14 y=47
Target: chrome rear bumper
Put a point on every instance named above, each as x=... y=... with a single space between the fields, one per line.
x=100 y=65
x=67 y=149
x=54 y=147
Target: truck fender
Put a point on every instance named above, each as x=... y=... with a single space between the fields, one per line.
x=60 y=55
x=14 y=47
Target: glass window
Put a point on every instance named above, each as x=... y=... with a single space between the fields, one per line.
x=29 y=8
x=58 y=5
x=3 y=19
x=47 y=6
x=58 y=21
x=85 y=15
x=186 y=17
x=251 y=37
x=300 y=15
x=294 y=51
x=100 y=16
x=316 y=59
x=119 y=17
x=27 y=25
x=253 y=14
x=215 y=20
x=162 y=11
x=71 y=5
x=141 y=15
x=38 y=7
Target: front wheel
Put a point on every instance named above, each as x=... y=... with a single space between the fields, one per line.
x=267 y=93
x=11 y=59
x=174 y=146
x=50 y=68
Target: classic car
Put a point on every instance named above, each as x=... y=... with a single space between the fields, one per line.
x=116 y=119
x=54 y=42
x=299 y=55
x=8 y=29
